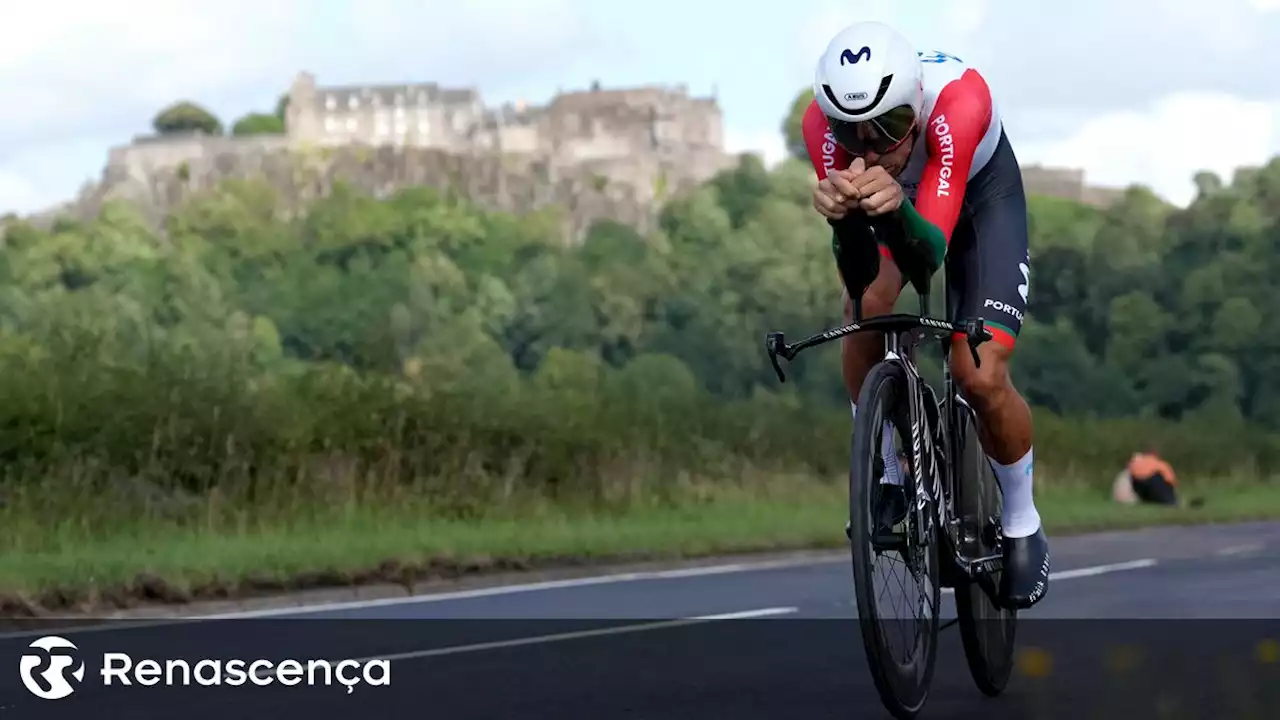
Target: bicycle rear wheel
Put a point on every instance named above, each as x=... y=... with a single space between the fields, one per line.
x=903 y=686
x=987 y=629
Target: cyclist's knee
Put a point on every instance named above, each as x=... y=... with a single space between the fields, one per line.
x=877 y=300
x=981 y=385
x=880 y=296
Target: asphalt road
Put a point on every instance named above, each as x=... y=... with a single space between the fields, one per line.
x=1160 y=623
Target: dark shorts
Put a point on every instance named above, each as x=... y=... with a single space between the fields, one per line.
x=1155 y=489
x=988 y=261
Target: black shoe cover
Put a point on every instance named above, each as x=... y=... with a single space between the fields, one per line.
x=1025 y=579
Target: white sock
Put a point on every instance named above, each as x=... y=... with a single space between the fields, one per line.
x=892 y=470
x=1021 y=518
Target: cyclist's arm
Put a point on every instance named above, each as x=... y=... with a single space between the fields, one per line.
x=821 y=145
x=960 y=118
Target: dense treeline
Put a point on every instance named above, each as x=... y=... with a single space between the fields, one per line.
x=425 y=337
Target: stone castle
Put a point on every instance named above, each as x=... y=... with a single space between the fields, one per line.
x=603 y=152
x=640 y=138
x=574 y=128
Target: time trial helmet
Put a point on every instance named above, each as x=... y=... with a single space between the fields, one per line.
x=870 y=85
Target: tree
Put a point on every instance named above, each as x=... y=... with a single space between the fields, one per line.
x=258 y=124
x=185 y=117
x=793 y=124
x=1207 y=183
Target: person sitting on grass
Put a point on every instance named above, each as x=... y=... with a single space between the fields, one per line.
x=1150 y=479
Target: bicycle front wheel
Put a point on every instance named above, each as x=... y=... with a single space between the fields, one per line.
x=886 y=531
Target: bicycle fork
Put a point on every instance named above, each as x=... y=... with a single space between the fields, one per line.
x=925 y=463
x=923 y=457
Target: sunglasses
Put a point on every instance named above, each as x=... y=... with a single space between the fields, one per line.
x=881 y=135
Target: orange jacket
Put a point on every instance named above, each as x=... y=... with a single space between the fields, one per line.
x=1144 y=465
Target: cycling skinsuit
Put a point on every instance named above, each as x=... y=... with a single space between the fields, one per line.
x=966 y=188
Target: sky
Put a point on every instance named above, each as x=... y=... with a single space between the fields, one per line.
x=1133 y=91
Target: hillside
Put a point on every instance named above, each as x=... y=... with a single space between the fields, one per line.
x=159 y=176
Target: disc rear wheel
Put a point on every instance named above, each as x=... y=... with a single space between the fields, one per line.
x=987 y=629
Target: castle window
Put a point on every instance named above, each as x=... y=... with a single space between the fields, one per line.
x=399 y=98
x=351 y=124
x=353 y=102
x=330 y=125
x=330 y=102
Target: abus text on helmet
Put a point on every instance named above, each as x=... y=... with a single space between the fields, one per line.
x=120 y=667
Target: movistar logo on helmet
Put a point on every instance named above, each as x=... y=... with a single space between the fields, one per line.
x=850 y=58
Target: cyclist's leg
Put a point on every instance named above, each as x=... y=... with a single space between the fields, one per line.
x=992 y=280
x=1155 y=489
x=859 y=352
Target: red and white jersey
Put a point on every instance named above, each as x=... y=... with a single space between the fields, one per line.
x=960 y=136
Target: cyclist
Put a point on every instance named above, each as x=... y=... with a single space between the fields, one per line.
x=893 y=130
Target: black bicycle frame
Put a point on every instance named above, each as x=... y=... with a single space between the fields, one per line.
x=924 y=453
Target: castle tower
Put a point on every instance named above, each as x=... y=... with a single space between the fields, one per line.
x=302 y=120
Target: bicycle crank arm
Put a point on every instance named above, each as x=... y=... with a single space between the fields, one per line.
x=984 y=564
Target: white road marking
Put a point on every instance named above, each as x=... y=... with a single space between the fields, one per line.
x=1092 y=571
x=703 y=571
x=304 y=610
x=1240 y=549
x=560 y=637
x=641 y=627
x=1102 y=569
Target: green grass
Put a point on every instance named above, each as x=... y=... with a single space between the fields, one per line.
x=74 y=562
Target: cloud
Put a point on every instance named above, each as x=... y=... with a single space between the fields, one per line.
x=1164 y=147
x=1092 y=56
x=76 y=65
x=72 y=70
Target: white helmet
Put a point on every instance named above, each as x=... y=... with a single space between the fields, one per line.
x=870 y=74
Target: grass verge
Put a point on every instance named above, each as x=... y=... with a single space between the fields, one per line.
x=75 y=565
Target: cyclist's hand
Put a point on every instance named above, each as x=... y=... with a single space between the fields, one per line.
x=835 y=194
x=878 y=192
